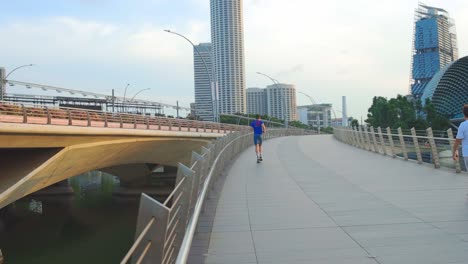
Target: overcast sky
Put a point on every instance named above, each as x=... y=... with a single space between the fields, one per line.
x=358 y=48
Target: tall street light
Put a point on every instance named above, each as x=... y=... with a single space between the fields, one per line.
x=214 y=93
x=276 y=83
x=125 y=94
x=139 y=92
x=131 y=100
x=4 y=79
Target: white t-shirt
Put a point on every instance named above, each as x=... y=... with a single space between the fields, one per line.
x=463 y=135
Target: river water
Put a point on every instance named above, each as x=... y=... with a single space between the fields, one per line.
x=90 y=225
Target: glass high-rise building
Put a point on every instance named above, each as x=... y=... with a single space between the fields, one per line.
x=227 y=38
x=203 y=92
x=434 y=45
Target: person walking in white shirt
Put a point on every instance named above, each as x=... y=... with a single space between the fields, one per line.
x=462 y=138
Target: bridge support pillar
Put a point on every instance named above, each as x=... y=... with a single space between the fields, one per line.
x=154 y=180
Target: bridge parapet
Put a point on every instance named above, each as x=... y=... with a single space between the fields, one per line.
x=165 y=230
x=424 y=146
x=64 y=116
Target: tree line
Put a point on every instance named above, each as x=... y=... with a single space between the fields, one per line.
x=404 y=113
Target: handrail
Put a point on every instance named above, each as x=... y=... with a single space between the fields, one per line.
x=137 y=241
x=173 y=191
x=176 y=224
x=437 y=150
x=192 y=225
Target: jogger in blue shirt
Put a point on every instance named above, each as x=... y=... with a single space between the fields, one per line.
x=259 y=128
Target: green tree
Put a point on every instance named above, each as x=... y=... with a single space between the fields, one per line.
x=434 y=119
x=327 y=130
x=298 y=124
x=401 y=112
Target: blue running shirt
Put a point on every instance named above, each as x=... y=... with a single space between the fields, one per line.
x=257 y=126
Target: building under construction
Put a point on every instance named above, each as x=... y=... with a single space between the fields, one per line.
x=434 y=45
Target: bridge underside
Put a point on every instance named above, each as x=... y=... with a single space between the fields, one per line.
x=34 y=157
x=316 y=200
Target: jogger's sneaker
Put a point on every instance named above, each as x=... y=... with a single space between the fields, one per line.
x=261 y=158
x=258 y=160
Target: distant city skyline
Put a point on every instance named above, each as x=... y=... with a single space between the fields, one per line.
x=103 y=45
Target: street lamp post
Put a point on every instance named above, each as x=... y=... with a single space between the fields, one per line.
x=276 y=83
x=214 y=93
x=125 y=93
x=146 y=89
x=3 y=80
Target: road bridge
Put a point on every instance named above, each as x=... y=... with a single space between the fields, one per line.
x=40 y=146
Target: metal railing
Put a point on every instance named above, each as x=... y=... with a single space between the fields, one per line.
x=34 y=114
x=424 y=147
x=165 y=230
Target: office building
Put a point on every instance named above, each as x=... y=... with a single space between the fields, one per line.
x=257 y=101
x=316 y=115
x=204 y=103
x=434 y=46
x=281 y=101
x=227 y=38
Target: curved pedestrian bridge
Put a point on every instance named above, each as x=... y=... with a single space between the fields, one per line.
x=317 y=200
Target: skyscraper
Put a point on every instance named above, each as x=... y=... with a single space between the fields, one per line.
x=203 y=91
x=227 y=37
x=257 y=101
x=281 y=101
x=434 y=45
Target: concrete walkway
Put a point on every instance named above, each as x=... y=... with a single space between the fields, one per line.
x=316 y=200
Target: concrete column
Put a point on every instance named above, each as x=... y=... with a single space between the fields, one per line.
x=451 y=140
x=416 y=145
x=402 y=143
x=390 y=140
x=435 y=153
x=382 y=142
